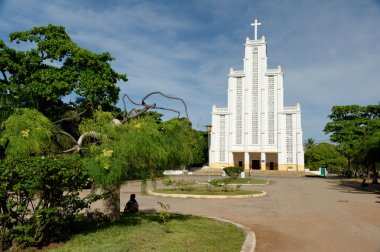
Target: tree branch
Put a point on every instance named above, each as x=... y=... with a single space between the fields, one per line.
x=68 y=135
x=93 y=134
x=169 y=97
x=4 y=76
x=78 y=144
x=70 y=118
x=138 y=113
x=125 y=105
x=134 y=113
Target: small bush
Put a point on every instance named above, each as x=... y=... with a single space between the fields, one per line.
x=182 y=185
x=167 y=182
x=164 y=215
x=224 y=186
x=233 y=171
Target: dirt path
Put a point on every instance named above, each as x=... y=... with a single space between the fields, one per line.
x=300 y=214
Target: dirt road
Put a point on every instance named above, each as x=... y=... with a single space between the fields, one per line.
x=300 y=214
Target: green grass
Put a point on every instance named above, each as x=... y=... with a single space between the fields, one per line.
x=251 y=181
x=205 y=191
x=144 y=232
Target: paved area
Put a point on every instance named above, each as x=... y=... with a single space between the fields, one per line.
x=300 y=214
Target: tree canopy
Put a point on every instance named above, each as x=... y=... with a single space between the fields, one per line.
x=52 y=67
x=324 y=155
x=141 y=149
x=349 y=124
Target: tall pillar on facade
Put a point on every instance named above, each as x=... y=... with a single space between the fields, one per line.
x=246 y=160
x=263 y=161
x=231 y=159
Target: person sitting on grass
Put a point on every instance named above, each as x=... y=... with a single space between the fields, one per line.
x=132 y=206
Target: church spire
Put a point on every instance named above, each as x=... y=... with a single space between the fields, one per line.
x=255 y=24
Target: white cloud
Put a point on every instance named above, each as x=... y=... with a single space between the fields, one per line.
x=328 y=49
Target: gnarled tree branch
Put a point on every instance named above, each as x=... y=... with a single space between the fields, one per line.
x=68 y=135
x=78 y=144
x=134 y=113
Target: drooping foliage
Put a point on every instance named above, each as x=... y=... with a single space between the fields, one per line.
x=141 y=149
x=28 y=132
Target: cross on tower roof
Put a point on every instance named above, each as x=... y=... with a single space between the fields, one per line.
x=255 y=24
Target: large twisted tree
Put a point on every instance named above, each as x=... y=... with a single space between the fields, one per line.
x=36 y=122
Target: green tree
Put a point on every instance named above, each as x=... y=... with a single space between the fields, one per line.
x=324 y=155
x=349 y=124
x=186 y=145
x=38 y=192
x=53 y=67
x=139 y=146
x=310 y=142
x=141 y=149
x=367 y=154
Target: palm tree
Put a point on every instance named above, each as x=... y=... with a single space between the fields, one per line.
x=310 y=142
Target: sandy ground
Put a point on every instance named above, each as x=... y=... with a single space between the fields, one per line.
x=300 y=214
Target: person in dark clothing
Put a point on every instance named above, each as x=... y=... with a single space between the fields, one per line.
x=132 y=206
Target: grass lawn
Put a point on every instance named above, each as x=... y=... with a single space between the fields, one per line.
x=251 y=181
x=204 y=191
x=144 y=232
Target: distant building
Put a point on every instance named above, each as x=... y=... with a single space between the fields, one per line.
x=256 y=131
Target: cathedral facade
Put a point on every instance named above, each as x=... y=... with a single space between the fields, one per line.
x=256 y=130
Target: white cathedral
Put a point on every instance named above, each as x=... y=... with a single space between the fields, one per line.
x=256 y=131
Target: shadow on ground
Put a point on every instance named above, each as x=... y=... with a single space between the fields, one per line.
x=355 y=187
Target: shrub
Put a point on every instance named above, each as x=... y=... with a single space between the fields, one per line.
x=164 y=215
x=39 y=198
x=233 y=171
x=167 y=182
x=224 y=186
x=182 y=185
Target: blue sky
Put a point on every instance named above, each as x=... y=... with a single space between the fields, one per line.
x=328 y=49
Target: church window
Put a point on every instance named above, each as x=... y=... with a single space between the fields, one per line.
x=289 y=138
x=222 y=138
x=255 y=98
x=239 y=111
x=271 y=110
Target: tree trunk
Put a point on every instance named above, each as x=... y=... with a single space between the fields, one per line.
x=112 y=203
x=374 y=174
x=108 y=207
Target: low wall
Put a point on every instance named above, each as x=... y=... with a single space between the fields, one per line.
x=176 y=172
x=319 y=172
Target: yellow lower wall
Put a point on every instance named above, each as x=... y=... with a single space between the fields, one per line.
x=290 y=167
x=281 y=167
x=219 y=165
